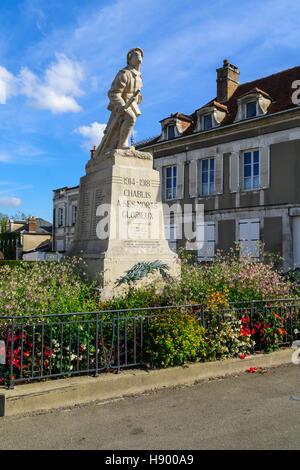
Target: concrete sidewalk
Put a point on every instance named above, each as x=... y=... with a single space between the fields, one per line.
x=41 y=396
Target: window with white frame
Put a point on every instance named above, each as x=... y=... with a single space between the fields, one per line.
x=250 y=170
x=206 y=239
x=253 y=104
x=170 y=182
x=249 y=237
x=73 y=214
x=207 y=176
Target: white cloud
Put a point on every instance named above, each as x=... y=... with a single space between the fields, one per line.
x=59 y=88
x=10 y=202
x=4 y=158
x=93 y=134
x=8 y=84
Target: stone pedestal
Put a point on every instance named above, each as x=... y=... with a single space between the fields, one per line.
x=120 y=216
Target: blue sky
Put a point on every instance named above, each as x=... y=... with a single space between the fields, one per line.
x=58 y=59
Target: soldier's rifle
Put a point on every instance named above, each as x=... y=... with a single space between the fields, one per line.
x=116 y=119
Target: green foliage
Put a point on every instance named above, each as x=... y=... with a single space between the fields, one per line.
x=293 y=277
x=8 y=243
x=244 y=279
x=268 y=331
x=141 y=270
x=171 y=338
x=44 y=287
x=134 y=298
x=3 y=224
x=15 y=263
x=174 y=338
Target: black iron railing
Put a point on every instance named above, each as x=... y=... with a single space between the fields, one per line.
x=50 y=346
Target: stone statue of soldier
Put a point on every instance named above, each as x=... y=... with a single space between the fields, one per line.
x=124 y=96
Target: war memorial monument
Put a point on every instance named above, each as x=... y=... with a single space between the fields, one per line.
x=120 y=215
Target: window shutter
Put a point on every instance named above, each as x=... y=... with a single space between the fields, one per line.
x=219 y=174
x=162 y=173
x=264 y=159
x=206 y=235
x=65 y=215
x=249 y=237
x=180 y=181
x=193 y=175
x=234 y=177
x=56 y=217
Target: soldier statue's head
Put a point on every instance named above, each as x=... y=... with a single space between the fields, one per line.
x=132 y=52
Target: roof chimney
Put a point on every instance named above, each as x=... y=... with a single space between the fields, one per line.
x=31 y=224
x=93 y=151
x=227 y=81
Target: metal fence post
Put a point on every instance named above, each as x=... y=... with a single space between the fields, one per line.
x=251 y=322
x=11 y=383
x=202 y=315
x=97 y=344
x=118 y=342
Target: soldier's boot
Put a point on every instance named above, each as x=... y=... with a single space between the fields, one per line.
x=126 y=128
x=124 y=134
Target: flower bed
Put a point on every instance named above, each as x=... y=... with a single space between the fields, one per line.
x=81 y=344
x=45 y=346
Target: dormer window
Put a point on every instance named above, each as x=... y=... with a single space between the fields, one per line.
x=170 y=132
x=210 y=116
x=250 y=109
x=174 y=126
x=254 y=103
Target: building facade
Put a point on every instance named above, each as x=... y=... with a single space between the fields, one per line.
x=64 y=217
x=239 y=156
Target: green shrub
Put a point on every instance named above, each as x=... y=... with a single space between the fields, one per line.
x=243 y=278
x=8 y=243
x=15 y=263
x=229 y=338
x=142 y=297
x=174 y=338
x=269 y=330
x=46 y=287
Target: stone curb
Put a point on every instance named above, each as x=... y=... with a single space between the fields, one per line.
x=42 y=396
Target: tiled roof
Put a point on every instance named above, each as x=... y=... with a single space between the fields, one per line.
x=278 y=87
x=214 y=103
x=257 y=90
x=42 y=227
x=182 y=117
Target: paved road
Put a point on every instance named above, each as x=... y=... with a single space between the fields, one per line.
x=248 y=411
